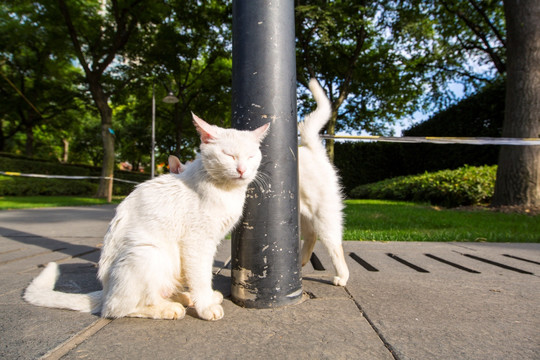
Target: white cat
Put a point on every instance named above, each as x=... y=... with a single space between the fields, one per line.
x=321 y=203
x=164 y=235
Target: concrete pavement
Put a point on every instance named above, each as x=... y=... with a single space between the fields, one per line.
x=403 y=301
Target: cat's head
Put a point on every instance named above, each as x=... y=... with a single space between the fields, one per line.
x=229 y=155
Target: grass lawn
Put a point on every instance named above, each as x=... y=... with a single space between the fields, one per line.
x=27 y=202
x=405 y=221
x=377 y=220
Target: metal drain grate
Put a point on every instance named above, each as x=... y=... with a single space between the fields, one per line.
x=364 y=263
x=317 y=265
x=406 y=263
x=522 y=259
x=504 y=266
x=447 y=262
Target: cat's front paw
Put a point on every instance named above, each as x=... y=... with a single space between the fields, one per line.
x=173 y=311
x=339 y=281
x=217 y=297
x=212 y=312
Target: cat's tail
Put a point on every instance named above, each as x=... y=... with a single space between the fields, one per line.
x=41 y=292
x=315 y=121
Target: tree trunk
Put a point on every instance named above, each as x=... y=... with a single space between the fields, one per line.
x=65 y=156
x=178 y=120
x=2 y=137
x=331 y=130
x=518 y=175
x=331 y=125
x=107 y=167
x=28 y=120
x=29 y=145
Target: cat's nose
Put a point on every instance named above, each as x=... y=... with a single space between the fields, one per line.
x=241 y=169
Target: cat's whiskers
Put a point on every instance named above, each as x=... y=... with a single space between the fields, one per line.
x=261 y=181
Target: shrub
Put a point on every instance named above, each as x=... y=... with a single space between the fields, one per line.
x=479 y=115
x=467 y=185
x=25 y=186
x=25 y=165
x=22 y=186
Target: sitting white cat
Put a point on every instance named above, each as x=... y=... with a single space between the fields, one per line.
x=164 y=236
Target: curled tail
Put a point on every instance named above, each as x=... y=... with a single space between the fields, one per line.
x=41 y=292
x=315 y=121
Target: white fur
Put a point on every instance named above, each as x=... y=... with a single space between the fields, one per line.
x=164 y=235
x=321 y=202
x=38 y=293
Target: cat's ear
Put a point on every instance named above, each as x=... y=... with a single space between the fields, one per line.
x=175 y=166
x=206 y=131
x=261 y=132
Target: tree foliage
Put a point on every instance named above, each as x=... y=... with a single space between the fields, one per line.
x=452 y=40
x=38 y=88
x=366 y=79
x=379 y=61
x=100 y=32
x=189 y=56
x=395 y=57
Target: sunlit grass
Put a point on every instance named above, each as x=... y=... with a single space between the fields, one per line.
x=376 y=220
x=26 y=202
x=404 y=221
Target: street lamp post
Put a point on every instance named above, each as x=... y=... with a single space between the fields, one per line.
x=169 y=99
x=153 y=161
x=265 y=260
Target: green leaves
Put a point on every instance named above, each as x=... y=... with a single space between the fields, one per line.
x=464 y=186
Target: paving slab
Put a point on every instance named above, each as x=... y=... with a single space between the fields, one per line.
x=315 y=329
x=58 y=222
x=30 y=239
x=403 y=301
x=449 y=313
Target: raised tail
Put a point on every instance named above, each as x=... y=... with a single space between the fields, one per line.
x=41 y=292
x=315 y=121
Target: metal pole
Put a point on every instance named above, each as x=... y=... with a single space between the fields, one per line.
x=153 y=161
x=266 y=269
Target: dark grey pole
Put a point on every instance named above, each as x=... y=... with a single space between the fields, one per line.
x=265 y=246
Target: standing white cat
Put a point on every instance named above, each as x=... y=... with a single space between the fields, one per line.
x=164 y=235
x=321 y=203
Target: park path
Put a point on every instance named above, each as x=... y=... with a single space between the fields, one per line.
x=403 y=301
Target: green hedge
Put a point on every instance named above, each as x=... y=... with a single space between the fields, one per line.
x=480 y=115
x=25 y=186
x=467 y=185
x=22 y=186
x=26 y=165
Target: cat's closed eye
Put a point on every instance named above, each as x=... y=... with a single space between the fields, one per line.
x=230 y=155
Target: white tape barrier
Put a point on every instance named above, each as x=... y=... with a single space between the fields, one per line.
x=403 y=139
x=440 y=140
x=11 y=173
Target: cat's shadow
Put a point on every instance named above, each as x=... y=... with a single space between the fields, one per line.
x=222 y=284
x=82 y=278
x=78 y=278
